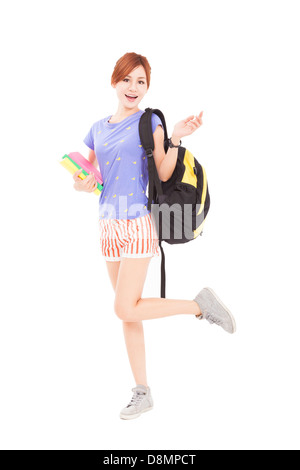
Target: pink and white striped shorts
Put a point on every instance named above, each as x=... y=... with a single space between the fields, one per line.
x=131 y=238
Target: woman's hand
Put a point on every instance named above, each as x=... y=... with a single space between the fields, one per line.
x=187 y=126
x=89 y=184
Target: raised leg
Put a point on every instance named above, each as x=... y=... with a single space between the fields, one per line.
x=130 y=307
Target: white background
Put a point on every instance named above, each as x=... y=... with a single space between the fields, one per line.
x=64 y=371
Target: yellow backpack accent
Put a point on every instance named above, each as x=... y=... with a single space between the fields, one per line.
x=189 y=163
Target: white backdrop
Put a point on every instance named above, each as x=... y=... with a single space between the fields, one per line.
x=64 y=369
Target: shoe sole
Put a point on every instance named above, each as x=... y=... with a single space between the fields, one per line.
x=135 y=415
x=225 y=308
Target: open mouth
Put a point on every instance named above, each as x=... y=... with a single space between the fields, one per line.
x=131 y=98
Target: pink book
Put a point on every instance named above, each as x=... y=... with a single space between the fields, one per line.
x=86 y=165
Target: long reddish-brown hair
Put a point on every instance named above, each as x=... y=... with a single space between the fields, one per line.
x=126 y=64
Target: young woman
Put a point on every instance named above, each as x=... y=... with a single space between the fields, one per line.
x=128 y=237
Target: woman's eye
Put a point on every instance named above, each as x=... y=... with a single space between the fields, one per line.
x=139 y=81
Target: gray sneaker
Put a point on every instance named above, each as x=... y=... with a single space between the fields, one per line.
x=214 y=311
x=140 y=402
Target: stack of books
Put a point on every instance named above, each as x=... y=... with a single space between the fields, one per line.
x=75 y=161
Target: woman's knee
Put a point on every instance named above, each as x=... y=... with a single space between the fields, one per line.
x=123 y=310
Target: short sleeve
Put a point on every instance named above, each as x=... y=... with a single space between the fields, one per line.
x=89 y=138
x=156 y=121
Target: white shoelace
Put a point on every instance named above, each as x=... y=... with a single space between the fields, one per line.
x=136 y=399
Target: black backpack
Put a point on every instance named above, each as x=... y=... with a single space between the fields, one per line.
x=180 y=205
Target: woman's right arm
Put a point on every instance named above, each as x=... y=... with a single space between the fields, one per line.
x=89 y=184
x=93 y=159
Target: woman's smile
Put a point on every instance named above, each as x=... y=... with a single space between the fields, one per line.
x=131 y=98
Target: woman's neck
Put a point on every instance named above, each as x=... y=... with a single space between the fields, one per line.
x=120 y=115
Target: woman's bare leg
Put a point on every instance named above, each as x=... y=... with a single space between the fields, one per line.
x=130 y=307
x=135 y=344
x=134 y=335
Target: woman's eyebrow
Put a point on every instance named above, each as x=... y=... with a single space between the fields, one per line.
x=138 y=77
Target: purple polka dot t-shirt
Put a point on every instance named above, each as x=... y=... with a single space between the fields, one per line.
x=123 y=166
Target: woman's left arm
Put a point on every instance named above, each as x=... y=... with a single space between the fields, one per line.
x=166 y=162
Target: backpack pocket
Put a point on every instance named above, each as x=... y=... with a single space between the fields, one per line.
x=178 y=210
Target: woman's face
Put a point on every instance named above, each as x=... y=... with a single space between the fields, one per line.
x=134 y=84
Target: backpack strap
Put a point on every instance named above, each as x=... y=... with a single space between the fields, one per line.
x=162 y=272
x=146 y=136
x=159 y=113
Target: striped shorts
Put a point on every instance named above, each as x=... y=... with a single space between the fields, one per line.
x=131 y=238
